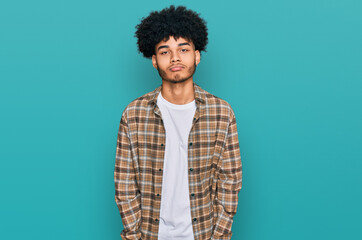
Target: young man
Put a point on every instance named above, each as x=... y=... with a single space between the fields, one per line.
x=178 y=167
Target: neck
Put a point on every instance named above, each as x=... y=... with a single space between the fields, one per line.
x=178 y=93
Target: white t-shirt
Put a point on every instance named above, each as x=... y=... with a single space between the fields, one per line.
x=175 y=215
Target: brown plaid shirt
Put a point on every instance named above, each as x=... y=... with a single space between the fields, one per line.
x=214 y=167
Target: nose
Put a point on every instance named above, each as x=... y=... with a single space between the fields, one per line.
x=175 y=57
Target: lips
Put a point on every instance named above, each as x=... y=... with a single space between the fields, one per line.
x=176 y=68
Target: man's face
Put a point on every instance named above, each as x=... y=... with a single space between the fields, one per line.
x=176 y=60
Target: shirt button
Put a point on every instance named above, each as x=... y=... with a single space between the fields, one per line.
x=158 y=194
x=195 y=219
x=160 y=169
x=192 y=194
x=194 y=119
x=190 y=143
x=161 y=144
x=191 y=169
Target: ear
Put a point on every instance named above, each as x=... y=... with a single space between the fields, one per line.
x=154 y=61
x=197 y=57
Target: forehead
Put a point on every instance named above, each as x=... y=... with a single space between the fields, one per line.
x=172 y=42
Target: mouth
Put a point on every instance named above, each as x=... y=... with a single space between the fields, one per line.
x=176 y=68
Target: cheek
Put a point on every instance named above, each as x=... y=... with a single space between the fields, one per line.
x=190 y=60
x=162 y=63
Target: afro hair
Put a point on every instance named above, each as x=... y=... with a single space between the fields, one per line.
x=176 y=22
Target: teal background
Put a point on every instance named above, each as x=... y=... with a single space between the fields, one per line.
x=290 y=69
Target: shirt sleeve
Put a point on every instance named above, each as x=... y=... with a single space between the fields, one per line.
x=127 y=194
x=228 y=185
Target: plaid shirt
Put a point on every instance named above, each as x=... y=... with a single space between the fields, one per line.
x=214 y=167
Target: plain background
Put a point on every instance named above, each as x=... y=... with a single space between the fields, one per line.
x=291 y=70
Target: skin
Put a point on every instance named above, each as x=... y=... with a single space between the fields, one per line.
x=176 y=61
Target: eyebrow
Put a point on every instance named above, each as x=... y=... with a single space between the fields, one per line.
x=167 y=46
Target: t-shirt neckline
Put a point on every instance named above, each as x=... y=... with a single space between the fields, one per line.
x=176 y=106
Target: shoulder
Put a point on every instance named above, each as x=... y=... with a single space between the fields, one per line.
x=218 y=105
x=140 y=104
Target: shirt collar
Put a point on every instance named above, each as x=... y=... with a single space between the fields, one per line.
x=198 y=92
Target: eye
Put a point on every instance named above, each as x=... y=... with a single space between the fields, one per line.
x=164 y=52
x=184 y=50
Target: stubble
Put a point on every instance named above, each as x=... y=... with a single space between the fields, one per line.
x=177 y=78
